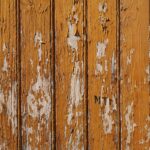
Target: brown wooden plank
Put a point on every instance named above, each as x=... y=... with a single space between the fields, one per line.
x=69 y=74
x=36 y=74
x=135 y=96
x=8 y=81
x=102 y=75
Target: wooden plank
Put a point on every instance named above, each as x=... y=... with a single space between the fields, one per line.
x=36 y=74
x=135 y=96
x=70 y=114
x=102 y=75
x=8 y=80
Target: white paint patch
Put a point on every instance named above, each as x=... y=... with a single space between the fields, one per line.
x=147 y=128
x=12 y=107
x=130 y=125
x=106 y=66
x=114 y=104
x=73 y=39
x=99 y=69
x=2 y=101
x=75 y=99
x=31 y=62
x=113 y=66
x=148 y=73
x=103 y=7
x=107 y=118
x=76 y=91
x=9 y=100
x=101 y=47
x=106 y=112
x=5 y=65
x=38 y=41
x=4 y=47
x=129 y=57
x=39 y=106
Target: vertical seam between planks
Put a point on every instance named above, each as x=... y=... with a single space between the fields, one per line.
x=118 y=32
x=85 y=47
x=52 y=41
x=149 y=46
x=18 y=69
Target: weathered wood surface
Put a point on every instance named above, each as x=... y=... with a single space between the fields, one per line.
x=8 y=80
x=102 y=75
x=69 y=74
x=36 y=83
x=135 y=69
x=74 y=74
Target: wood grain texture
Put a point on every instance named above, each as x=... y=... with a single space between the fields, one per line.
x=8 y=80
x=135 y=96
x=36 y=85
x=69 y=74
x=75 y=74
x=102 y=75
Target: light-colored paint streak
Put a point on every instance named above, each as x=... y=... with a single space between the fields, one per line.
x=107 y=118
x=4 y=47
x=38 y=42
x=130 y=125
x=106 y=111
x=75 y=99
x=5 y=65
x=146 y=139
x=103 y=7
x=10 y=100
x=101 y=48
x=74 y=128
x=73 y=38
x=113 y=66
x=2 y=100
x=129 y=57
x=39 y=106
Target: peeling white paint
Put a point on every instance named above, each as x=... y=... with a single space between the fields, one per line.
x=147 y=128
x=148 y=72
x=114 y=104
x=106 y=111
x=113 y=64
x=42 y=87
x=102 y=90
x=99 y=69
x=103 y=7
x=31 y=62
x=38 y=41
x=12 y=107
x=129 y=57
x=4 y=47
x=107 y=118
x=101 y=47
x=10 y=101
x=130 y=125
x=5 y=65
x=106 y=66
x=1 y=100
x=76 y=91
x=75 y=99
x=73 y=39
